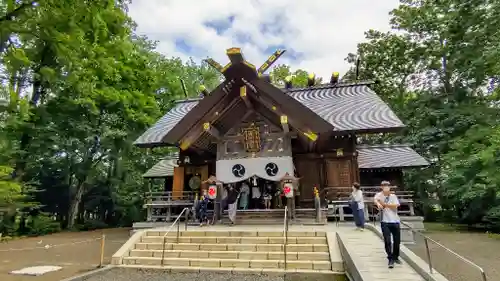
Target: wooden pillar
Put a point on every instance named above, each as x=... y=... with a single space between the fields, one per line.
x=355 y=169
x=178 y=186
x=203 y=175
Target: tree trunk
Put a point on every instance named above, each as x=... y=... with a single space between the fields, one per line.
x=38 y=91
x=75 y=204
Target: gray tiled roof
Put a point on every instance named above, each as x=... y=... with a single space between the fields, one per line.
x=164 y=168
x=346 y=107
x=155 y=134
x=388 y=156
x=349 y=108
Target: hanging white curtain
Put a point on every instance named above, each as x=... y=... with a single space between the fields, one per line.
x=269 y=168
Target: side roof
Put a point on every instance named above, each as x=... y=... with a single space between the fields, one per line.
x=348 y=107
x=389 y=156
x=164 y=168
x=155 y=134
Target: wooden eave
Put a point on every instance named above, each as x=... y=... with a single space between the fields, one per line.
x=204 y=106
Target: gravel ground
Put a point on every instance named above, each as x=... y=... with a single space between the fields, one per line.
x=125 y=274
x=75 y=252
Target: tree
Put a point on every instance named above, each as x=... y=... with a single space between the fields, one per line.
x=95 y=87
x=434 y=73
x=299 y=77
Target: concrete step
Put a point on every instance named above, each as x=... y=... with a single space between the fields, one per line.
x=233 y=247
x=234 y=240
x=245 y=255
x=300 y=221
x=267 y=221
x=302 y=274
x=229 y=263
x=219 y=234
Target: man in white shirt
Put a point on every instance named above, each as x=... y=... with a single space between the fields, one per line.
x=388 y=204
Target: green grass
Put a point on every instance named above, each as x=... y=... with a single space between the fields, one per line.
x=446 y=227
x=493 y=235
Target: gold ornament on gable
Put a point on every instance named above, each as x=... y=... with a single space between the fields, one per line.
x=251 y=137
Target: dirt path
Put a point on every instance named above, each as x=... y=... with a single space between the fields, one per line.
x=78 y=252
x=477 y=247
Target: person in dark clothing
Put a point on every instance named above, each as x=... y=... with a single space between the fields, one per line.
x=202 y=208
x=232 y=203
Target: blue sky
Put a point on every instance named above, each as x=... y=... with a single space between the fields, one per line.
x=317 y=34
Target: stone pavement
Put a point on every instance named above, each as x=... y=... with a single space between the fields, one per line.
x=369 y=255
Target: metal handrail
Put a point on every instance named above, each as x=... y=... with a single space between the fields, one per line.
x=285 y=235
x=464 y=259
x=176 y=222
x=428 y=252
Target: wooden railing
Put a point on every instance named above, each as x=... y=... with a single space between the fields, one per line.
x=339 y=198
x=163 y=204
x=168 y=196
x=339 y=193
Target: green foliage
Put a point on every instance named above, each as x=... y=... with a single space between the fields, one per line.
x=299 y=77
x=92 y=225
x=439 y=74
x=8 y=224
x=10 y=190
x=42 y=224
x=78 y=86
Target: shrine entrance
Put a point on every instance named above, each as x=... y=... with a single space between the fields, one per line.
x=257 y=179
x=259 y=194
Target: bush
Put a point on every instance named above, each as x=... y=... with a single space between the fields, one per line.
x=492 y=219
x=8 y=224
x=92 y=225
x=41 y=225
x=132 y=214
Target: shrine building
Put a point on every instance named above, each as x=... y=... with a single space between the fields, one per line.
x=248 y=129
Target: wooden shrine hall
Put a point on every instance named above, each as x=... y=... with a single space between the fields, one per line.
x=249 y=128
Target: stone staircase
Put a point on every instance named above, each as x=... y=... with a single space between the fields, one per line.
x=247 y=251
x=274 y=216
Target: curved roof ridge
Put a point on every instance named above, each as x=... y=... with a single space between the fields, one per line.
x=383 y=145
x=329 y=86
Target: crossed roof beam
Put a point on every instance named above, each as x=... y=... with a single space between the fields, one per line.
x=235 y=56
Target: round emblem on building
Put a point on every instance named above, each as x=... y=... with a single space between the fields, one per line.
x=238 y=170
x=271 y=169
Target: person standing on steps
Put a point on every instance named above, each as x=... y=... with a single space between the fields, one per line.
x=202 y=208
x=255 y=194
x=214 y=194
x=267 y=194
x=388 y=204
x=358 y=206
x=288 y=184
x=244 y=194
x=232 y=203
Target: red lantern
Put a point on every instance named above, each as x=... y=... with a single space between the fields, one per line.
x=212 y=191
x=288 y=190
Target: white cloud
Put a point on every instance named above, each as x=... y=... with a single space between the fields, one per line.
x=323 y=32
